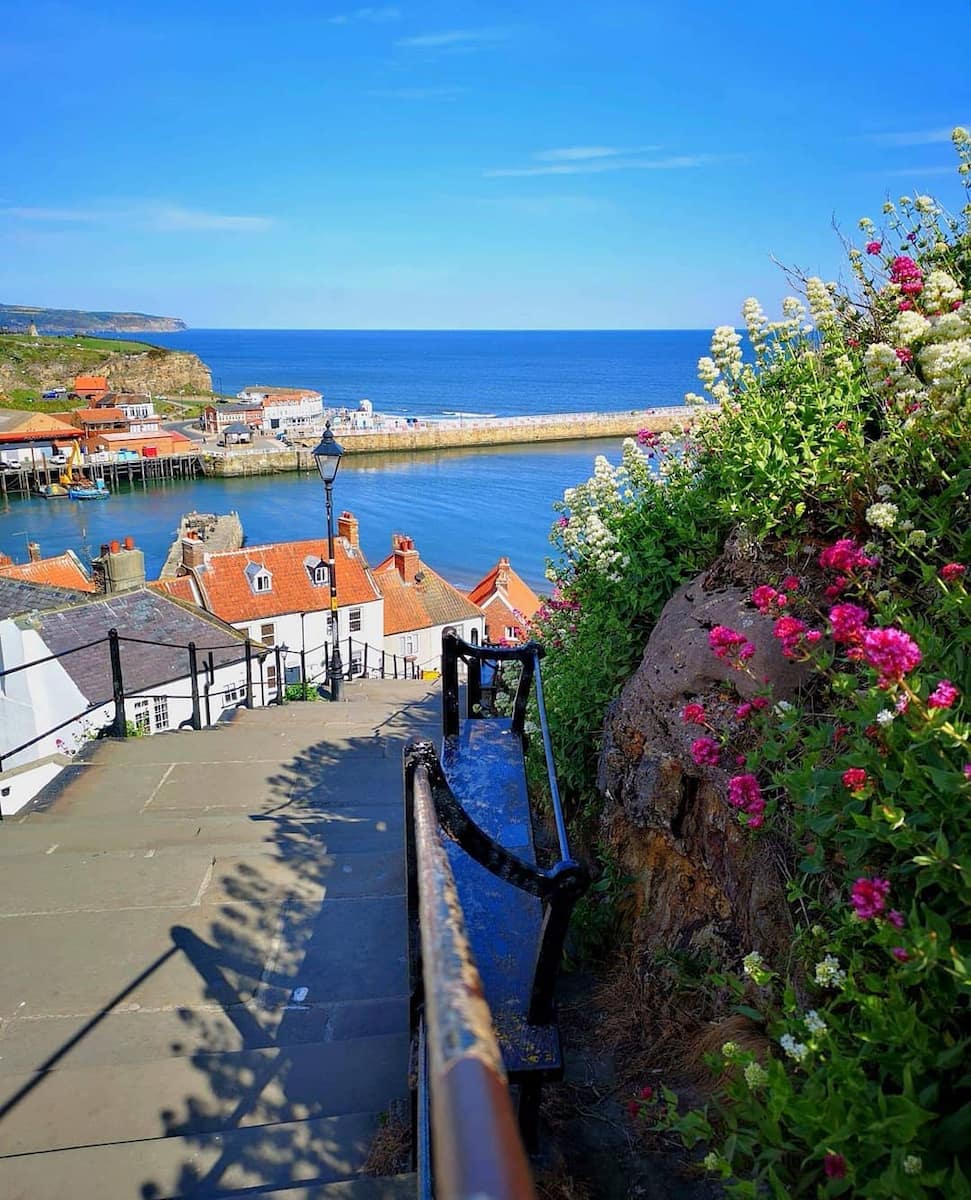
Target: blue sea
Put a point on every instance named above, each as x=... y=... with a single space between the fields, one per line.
x=464 y=508
x=430 y=373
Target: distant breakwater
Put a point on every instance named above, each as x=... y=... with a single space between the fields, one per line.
x=456 y=433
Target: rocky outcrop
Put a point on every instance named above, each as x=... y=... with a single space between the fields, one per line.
x=161 y=372
x=35 y=365
x=703 y=881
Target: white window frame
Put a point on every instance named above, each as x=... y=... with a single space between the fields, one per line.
x=354 y=620
x=408 y=644
x=142 y=715
x=262 y=582
x=160 y=713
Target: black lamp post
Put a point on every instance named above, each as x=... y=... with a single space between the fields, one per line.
x=327 y=455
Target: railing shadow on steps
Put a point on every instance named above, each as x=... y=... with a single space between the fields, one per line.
x=465 y=1140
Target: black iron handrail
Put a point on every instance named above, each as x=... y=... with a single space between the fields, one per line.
x=475 y=1148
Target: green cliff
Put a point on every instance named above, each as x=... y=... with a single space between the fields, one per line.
x=16 y=318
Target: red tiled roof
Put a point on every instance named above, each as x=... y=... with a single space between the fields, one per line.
x=93 y=416
x=62 y=570
x=91 y=383
x=502 y=604
x=226 y=590
x=423 y=604
x=183 y=587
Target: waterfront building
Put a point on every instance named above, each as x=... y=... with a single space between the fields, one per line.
x=508 y=603
x=297 y=412
x=419 y=606
x=139 y=410
x=28 y=438
x=145 y=445
x=279 y=595
x=38 y=622
x=217 y=417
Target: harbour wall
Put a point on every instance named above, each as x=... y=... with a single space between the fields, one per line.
x=457 y=433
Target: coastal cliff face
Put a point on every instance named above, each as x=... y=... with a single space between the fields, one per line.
x=702 y=882
x=19 y=317
x=31 y=365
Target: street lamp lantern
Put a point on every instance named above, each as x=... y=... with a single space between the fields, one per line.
x=327 y=455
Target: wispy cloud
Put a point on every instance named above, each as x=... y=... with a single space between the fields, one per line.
x=596 y=166
x=916 y=173
x=454 y=39
x=918 y=137
x=162 y=218
x=417 y=93
x=581 y=153
x=370 y=16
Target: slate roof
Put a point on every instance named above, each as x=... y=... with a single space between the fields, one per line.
x=145 y=614
x=62 y=571
x=18 y=597
x=427 y=602
x=226 y=591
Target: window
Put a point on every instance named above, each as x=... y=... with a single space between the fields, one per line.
x=320 y=574
x=234 y=694
x=161 y=712
x=355 y=619
x=271 y=677
x=261 y=582
x=143 y=721
x=408 y=644
x=357 y=663
x=511 y=633
x=268 y=634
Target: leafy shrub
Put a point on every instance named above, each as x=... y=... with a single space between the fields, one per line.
x=841 y=457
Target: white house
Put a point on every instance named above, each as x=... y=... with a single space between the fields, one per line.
x=298 y=412
x=50 y=709
x=279 y=595
x=419 y=606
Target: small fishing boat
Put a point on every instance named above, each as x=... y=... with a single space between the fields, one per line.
x=51 y=491
x=88 y=491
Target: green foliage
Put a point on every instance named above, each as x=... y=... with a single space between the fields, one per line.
x=854 y=431
x=300 y=691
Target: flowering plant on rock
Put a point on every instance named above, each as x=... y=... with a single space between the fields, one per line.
x=835 y=451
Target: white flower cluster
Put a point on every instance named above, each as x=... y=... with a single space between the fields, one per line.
x=753 y=964
x=885 y=716
x=941 y=291
x=821 y=304
x=794 y=1050
x=588 y=537
x=829 y=973
x=913 y=1164
x=756 y=324
x=882 y=515
x=726 y=350
x=755 y=1075
x=815 y=1023
x=711 y=1161
x=909 y=327
x=707 y=371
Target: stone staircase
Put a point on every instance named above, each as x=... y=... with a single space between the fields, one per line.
x=203 y=989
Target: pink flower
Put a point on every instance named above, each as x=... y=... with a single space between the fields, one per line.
x=789 y=631
x=900 y=954
x=904 y=354
x=891 y=653
x=855 y=779
x=743 y=711
x=765 y=597
x=693 y=714
x=760 y=702
x=813 y=636
x=912 y=287
x=647 y=1093
x=834 y=1165
x=904 y=269
x=633 y=1109
x=755 y=821
x=967 y=770
x=842 y=426
x=874 y=247
x=912 y=236
x=731 y=645
x=563 y=522
x=905 y=305
x=744 y=793
x=848 y=621
x=705 y=751
x=896 y=918
x=843 y=556
x=943 y=696
x=869 y=897
x=791 y=583
x=951 y=571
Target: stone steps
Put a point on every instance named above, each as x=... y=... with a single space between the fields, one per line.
x=205 y=987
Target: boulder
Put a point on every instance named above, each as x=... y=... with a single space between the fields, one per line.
x=702 y=880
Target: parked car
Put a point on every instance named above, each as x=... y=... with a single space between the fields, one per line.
x=57 y=460
x=8 y=466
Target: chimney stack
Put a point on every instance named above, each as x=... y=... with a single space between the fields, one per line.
x=405 y=557
x=33 y=551
x=119 y=569
x=193 y=551
x=502 y=574
x=347 y=528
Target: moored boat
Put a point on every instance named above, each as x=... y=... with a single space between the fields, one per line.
x=88 y=491
x=51 y=491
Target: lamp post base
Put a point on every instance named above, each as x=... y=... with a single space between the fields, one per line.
x=336 y=675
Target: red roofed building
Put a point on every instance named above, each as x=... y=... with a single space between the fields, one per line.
x=508 y=603
x=62 y=570
x=279 y=594
x=419 y=606
x=90 y=387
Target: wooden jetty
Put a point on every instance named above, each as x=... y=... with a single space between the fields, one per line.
x=145 y=471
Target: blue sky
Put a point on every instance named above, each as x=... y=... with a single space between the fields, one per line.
x=459 y=165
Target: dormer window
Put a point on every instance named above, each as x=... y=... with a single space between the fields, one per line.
x=318 y=570
x=260 y=579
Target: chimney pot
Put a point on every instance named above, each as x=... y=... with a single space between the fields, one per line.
x=33 y=551
x=115 y=546
x=129 y=543
x=406 y=558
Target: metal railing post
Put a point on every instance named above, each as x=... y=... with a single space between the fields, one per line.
x=303 y=671
x=450 y=685
x=117 y=683
x=249 y=674
x=364 y=665
x=194 y=672
x=280 y=697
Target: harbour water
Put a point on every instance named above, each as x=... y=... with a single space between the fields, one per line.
x=463 y=507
